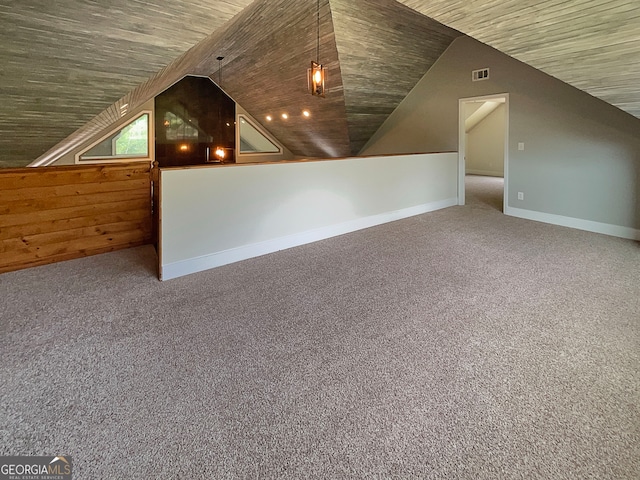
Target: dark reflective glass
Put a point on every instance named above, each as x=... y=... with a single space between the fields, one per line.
x=195 y=124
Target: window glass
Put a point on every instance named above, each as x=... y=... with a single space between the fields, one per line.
x=132 y=141
x=254 y=141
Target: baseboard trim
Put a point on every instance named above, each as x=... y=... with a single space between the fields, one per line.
x=225 y=257
x=587 y=225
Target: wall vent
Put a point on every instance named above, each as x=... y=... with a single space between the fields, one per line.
x=482 y=74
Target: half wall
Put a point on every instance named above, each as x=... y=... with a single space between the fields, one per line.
x=215 y=215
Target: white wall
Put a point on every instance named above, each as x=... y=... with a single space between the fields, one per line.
x=581 y=162
x=212 y=216
x=485 y=145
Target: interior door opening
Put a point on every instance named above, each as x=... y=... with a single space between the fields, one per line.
x=483 y=139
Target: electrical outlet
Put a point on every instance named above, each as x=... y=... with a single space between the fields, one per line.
x=520 y=195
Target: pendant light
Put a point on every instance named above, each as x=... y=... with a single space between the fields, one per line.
x=317 y=72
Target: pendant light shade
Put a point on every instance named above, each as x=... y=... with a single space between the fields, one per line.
x=317 y=77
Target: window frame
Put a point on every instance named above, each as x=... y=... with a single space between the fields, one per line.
x=256 y=126
x=111 y=159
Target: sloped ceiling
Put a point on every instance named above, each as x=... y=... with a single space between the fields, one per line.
x=267 y=49
x=375 y=52
x=384 y=49
x=593 y=45
x=266 y=56
x=65 y=61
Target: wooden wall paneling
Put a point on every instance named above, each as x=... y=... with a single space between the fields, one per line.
x=81 y=247
x=110 y=208
x=64 y=224
x=75 y=189
x=71 y=212
x=35 y=205
x=71 y=176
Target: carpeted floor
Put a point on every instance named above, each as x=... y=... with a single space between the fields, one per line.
x=457 y=344
x=486 y=192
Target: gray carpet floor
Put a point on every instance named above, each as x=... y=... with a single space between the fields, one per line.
x=457 y=344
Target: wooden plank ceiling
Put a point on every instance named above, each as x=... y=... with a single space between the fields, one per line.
x=65 y=62
x=267 y=49
x=266 y=53
x=593 y=45
x=384 y=49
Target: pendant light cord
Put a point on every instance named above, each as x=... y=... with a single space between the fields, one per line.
x=318 y=40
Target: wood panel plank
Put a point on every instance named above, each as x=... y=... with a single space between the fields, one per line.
x=73 y=190
x=20 y=244
x=51 y=176
x=64 y=224
x=26 y=206
x=4 y=268
x=72 y=212
x=66 y=256
x=81 y=247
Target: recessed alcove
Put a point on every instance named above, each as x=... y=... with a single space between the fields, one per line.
x=194 y=124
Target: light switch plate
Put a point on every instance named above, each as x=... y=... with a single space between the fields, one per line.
x=521 y=146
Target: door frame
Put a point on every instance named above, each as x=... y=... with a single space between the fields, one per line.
x=462 y=145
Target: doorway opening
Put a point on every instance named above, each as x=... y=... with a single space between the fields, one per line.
x=483 y=139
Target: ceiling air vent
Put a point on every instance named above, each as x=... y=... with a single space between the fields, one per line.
x=482 y=74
